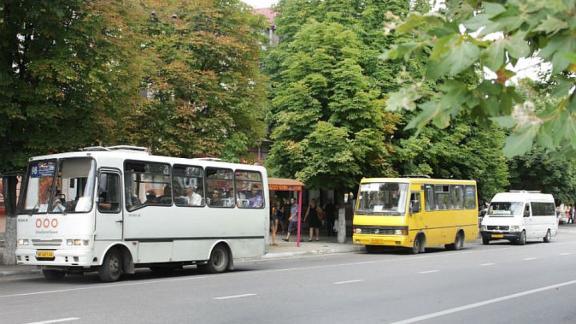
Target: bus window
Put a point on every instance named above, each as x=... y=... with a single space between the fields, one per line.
x=147 y=184
x=249 y=189
x=429 y=195
x=442 y=197
x=219 y=187
x=188 y=185
x=457 y=195
x=470 y=197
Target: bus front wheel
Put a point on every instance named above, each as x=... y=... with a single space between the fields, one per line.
x=418 y=246
x=218 y=262
x=111 y=268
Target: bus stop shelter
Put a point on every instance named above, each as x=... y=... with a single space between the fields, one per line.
x=290 y=185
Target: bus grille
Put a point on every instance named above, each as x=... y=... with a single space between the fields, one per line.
x=497 y=228
x=55 y=242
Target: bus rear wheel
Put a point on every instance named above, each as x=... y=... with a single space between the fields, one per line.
x=218 y=262
x=458 y=242
x=111 y=268
x=53 y=275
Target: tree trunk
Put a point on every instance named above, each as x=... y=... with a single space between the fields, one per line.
x=10 y=197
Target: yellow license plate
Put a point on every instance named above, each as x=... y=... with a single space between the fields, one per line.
x=376 y=241
x=44 y=254
x=497 y=235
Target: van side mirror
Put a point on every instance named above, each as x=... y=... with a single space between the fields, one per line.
x=527 y=213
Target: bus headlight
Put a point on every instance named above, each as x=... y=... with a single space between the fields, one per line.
x=401 y=232
x=357 y=230
x=23 y=242
x=75 y=242
x=515 y=228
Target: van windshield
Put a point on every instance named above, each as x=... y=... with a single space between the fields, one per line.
x=505 y=209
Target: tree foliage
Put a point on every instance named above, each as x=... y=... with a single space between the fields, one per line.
x=68 y=71
x=543 y=172
x=471 y=37
x=206 y=96
x=464 y=150
x=328 y=121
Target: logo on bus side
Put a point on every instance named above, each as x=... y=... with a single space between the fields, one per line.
x=46 y=223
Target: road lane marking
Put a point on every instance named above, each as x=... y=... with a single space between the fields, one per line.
x=60 y=320
x=348 y=281
x=483 y=303
x=529 y=259
x=234 y=296
x=429 y=271
x=101 y=286
x=565 y=253
x=487 y=264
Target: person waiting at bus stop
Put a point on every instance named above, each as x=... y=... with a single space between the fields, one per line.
x=314 y=214
x=293 y=220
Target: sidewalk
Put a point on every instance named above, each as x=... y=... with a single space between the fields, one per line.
x=326 y=245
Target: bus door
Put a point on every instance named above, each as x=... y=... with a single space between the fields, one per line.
x=415 y=211
x=109 y=216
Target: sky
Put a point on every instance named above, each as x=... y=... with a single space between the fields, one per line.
x=260 y=3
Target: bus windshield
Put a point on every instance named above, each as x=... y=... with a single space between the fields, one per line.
x=505 y=209
x=63 y=186
x=382 y=198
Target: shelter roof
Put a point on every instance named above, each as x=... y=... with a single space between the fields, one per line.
x=282 y=184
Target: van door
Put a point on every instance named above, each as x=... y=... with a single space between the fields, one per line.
x=109 y=216
x=528 y=221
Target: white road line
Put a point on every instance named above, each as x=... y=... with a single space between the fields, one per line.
x=101 y=286
x=529 y=259
x=234 y=296
x=487 y=264
x=348 y=281
x=60 y=320
x=429 y=271
x=482 y=303
x=565 y=253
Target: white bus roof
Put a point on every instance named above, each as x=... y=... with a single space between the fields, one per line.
x=138 y=155
x=522 y=196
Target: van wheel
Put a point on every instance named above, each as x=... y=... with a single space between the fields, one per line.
x=218 y=261
x=418 y=246
x=111 y=268
x=53 y=275
x=485 y=240
x=522 y=239
x=548 y=237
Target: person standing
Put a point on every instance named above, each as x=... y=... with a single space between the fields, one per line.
x=313 y=213
x=293 y=220
x=329 y=212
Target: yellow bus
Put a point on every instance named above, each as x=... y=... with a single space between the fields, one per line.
x=415 y=213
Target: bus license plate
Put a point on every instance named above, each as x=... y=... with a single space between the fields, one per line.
x=44 y=254
x=497 y=235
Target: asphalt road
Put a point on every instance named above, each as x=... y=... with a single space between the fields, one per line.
x=499 y=283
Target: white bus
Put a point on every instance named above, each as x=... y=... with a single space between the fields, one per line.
x=119 y=208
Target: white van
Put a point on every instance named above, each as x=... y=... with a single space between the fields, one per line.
x=520 y=217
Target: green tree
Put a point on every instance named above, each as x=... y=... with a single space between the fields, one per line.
x=68 y=71
x=328 y=123
x=464 y=150
x=206 y=95
x=547 y=173
x=455 y=45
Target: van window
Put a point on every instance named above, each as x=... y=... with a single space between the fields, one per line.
x=543 y=209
